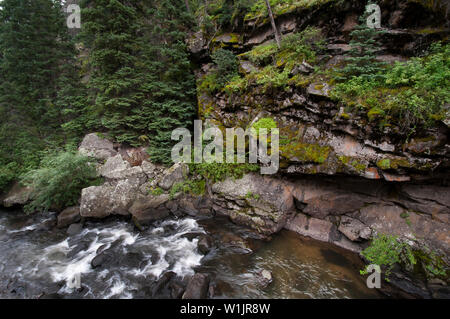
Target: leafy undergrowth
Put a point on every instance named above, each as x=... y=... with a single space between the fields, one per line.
x=274 y=65
x=386 y=251
x=408 y=94
x=58 y=182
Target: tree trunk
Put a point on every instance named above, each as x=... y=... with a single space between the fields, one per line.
x=274 y=26
x=188 y=7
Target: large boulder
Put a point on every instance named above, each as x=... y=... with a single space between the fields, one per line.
x=95 y=146
x=147 y=209
x=18 y=195
x=69 y=216
x=109 y=199
x=317 y=229
x=197 y=287
x=173 y=175
x=262 y=203
x=411 y=226
x=117 y=168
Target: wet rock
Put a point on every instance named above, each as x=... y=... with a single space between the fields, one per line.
x=173 y=175
x=109 y=199
x=82 y=246
x=197 y=287
x=187 y=207
x=69 y=216
x=353 y=229
x=264 y=278
x=47 y=225
x=74 y=229
x=312 y=227
x=151 y=215
x=101 y=259
x=205 y=244
x=18 y=195
x=162 y=289
x=95 y=146
x=266 y=211
x=147 y=209
x=172 y=206
x=177 y=290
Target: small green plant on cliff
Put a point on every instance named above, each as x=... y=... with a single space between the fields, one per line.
x=217 y=172
x=227 y=65
x=267 y=122
x=58 y=182
x=191 y=187
x=386 y=250
x=361 y=59
x=411 y=94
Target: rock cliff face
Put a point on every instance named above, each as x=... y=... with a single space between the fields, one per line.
x=320 y=135
x=343 y=177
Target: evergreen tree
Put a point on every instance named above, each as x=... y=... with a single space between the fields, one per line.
x=34 y=52
x=361 y=59
x=142 y=79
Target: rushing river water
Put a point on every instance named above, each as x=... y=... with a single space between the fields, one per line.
x=38 y=260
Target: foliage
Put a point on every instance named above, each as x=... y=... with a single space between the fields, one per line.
x=216 y=172
x=192 y=187
x=386 y=250
x=411 y=93
x=142 y=78
x=361 y=59
x=267 y=122
x=227 y=65
x=259 y=9
x=39 y=84
x=156 y=191
x=278 y=64
x=58 y=182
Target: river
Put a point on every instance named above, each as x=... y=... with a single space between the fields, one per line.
x=39 y=261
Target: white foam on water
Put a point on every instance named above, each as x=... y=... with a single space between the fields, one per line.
x=117 y=289
x=64 y=270
x=29 y=228
x=176 y=247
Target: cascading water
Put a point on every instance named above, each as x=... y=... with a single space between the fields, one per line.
x=111 y=259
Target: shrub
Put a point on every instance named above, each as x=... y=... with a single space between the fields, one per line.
x=58 y=182
x=189 y=187
x=386 y=250
x=361 y=58
x=227 y=65
x=266 y=122
x=413 y=93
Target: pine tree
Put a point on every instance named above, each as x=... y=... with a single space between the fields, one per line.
x=143 y=82
x=361 y=59
x=34 y=52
